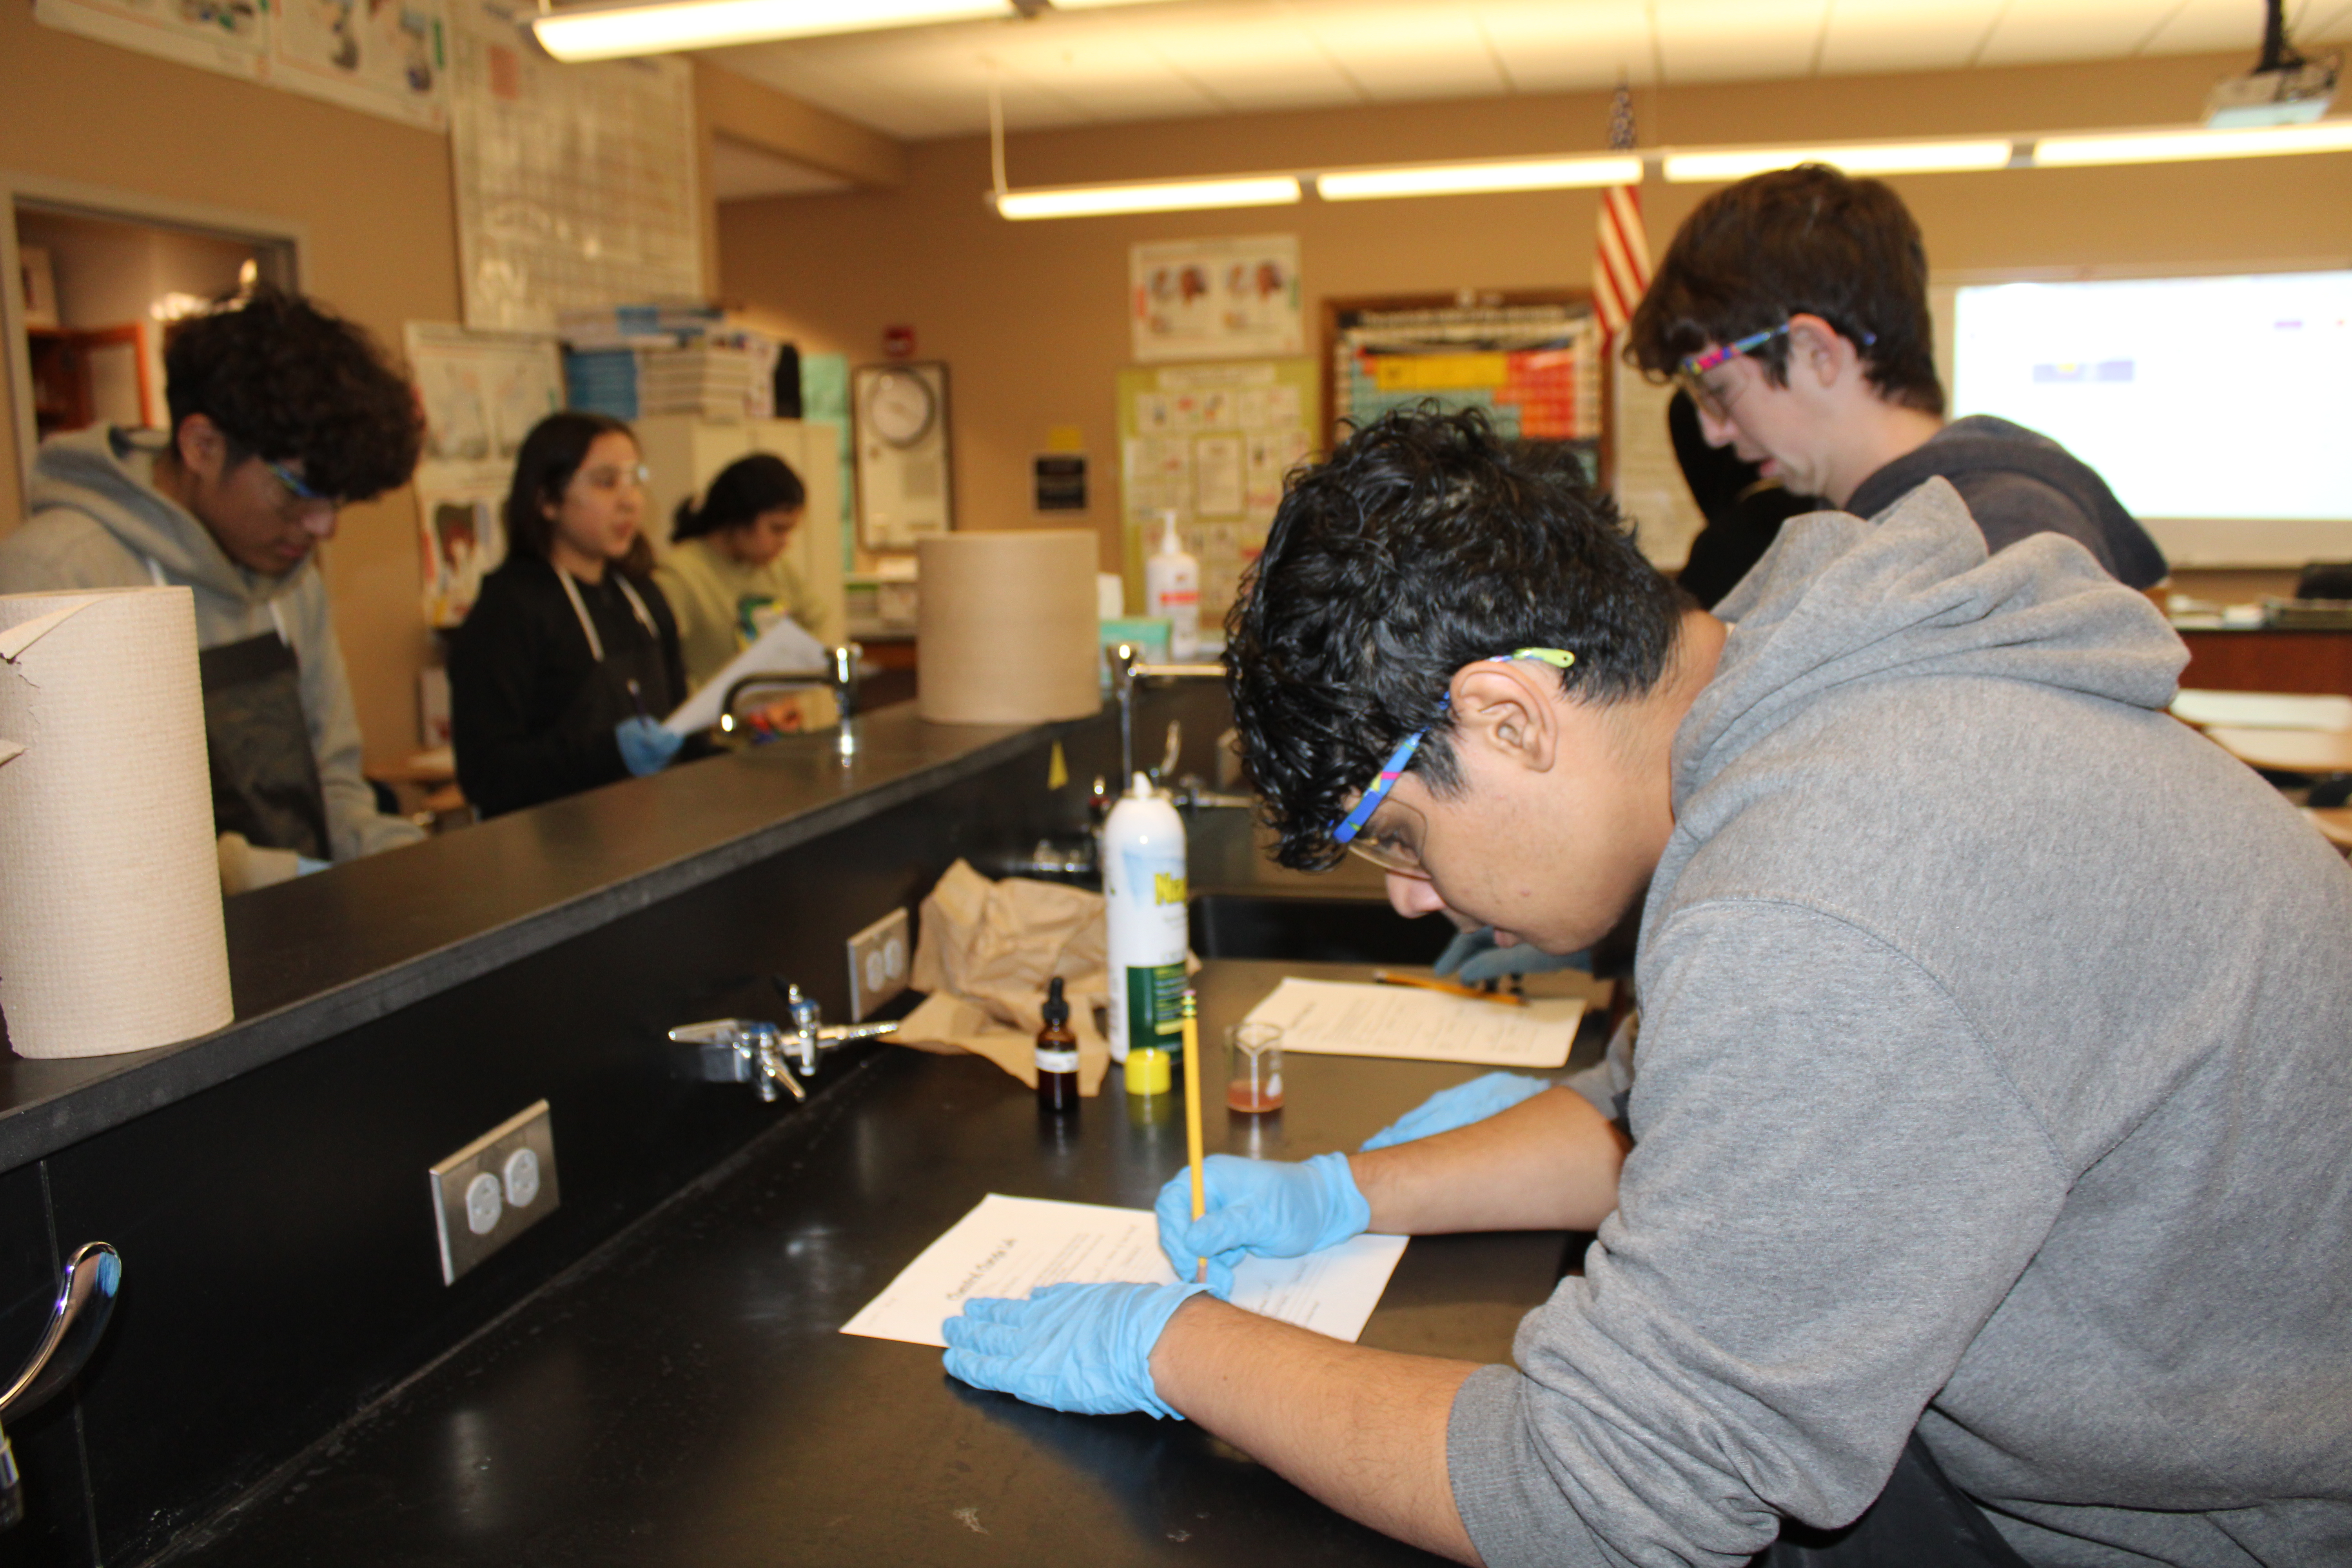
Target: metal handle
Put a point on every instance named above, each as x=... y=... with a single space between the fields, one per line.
x=76 y=1319
x=85 y=1300
x=761 y=1053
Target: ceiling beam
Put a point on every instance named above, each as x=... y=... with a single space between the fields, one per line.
x=734 y=106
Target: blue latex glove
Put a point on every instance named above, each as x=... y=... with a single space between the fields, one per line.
x=1085 y=1349
x=1258 y=1208
x=304 y=865
x=646 y=746
x=1473 y=957
x=1458 y=1107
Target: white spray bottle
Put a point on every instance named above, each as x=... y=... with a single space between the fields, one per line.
x=1144 y=895
x=1171 y=587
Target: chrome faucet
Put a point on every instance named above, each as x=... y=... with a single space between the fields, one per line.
x=839 y=676
x=1132 y=669
x=761 y=1053
x=76 y=1319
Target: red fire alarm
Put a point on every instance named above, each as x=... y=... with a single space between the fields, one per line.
x=898 y=342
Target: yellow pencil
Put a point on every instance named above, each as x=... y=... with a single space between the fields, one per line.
x=1192 y=1070
x=1500 y=998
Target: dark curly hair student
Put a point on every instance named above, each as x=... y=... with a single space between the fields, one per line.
x=1424 y=543
x=288 y=380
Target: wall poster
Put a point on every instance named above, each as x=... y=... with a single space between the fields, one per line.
x=382 y=57
x=1211 y=443
x=481 y=392
x=577 y=185
x=1215 y=299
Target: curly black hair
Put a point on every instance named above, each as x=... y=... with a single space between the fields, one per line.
x=287 y=380
x=1424 y=543
x=1810 y=238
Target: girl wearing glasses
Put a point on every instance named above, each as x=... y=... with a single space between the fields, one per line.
x=559 y=677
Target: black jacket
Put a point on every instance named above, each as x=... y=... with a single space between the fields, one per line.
x=531 y=712
x=2020 y=482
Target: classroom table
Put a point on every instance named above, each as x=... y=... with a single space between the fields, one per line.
x=683 y=1396
x=2287 y=751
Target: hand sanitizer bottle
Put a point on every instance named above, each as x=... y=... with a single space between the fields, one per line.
x=1171 y=587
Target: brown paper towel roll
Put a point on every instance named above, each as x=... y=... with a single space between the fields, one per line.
x=1005 y=628
x=109 y=886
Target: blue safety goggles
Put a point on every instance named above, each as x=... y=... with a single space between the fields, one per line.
x=1394 y=768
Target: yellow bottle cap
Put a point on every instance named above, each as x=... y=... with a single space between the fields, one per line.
x=1147 y=1071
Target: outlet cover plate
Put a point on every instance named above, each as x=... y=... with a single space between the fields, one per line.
x=494 y=1189
x=880 y=958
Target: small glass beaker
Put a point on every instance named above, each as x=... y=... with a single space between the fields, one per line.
x=1253 y=1083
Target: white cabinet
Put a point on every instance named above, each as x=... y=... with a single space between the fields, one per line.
x=685 y=454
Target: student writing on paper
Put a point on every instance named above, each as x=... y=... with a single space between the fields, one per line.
x=1985 y=1198
x=281 y=414
x=559 y=676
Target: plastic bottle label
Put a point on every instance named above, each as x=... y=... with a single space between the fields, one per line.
x=1155 y=1007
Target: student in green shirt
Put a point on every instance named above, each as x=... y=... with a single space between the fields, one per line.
x=726 y=577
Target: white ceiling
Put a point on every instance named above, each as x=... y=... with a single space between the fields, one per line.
x=1188 y=57
x=739 y=171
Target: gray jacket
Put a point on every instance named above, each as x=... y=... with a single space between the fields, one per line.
x=1995 y=1079
x=97 y=521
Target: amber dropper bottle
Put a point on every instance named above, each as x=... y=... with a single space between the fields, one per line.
x=1057 y=1055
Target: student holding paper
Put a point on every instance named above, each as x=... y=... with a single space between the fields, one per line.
x=559 y=676
x=1978 y=1193
x=727 y=577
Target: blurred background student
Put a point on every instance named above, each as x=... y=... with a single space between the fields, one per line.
x=559 y=676
x=726 y=577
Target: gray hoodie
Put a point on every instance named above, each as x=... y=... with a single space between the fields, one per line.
x=97 y=521
x=1995 y=1078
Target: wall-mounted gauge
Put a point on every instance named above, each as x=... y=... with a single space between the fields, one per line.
x=900 y=431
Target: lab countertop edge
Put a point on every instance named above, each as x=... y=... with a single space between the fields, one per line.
x=316 y=957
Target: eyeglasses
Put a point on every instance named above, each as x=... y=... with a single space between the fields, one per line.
x=1691 y=374
x=636 y=475
x=1692 y=371
x=1400 y=853
x=298 y=488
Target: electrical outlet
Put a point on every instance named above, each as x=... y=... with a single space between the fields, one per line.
x=879 y=957
x=494 y=1189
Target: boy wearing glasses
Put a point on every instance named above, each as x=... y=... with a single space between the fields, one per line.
x=1792 y=306
x=281 y=413
x=1979 y=1197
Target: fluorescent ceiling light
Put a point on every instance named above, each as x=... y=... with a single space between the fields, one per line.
x=1448 y=179
x=1155 y=197
x=609 y=32
x=1875 y=158
x=2177 y=146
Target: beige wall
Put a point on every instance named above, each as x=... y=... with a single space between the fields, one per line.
x=374 y=199
x=1029 y=316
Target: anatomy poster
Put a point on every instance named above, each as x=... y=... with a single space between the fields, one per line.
x=1215 y=299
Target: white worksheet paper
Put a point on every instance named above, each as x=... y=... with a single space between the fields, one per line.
x=1010 y=1246
x=1342 y=1018
x=783 y=648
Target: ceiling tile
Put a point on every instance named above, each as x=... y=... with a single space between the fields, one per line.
x=1406 y=50
x=2320 y=21
x=1110 y=72
x=2029 y=34
x=1547 y=46
x=1716 y=40
x=1250 y=59
x=1870 y=35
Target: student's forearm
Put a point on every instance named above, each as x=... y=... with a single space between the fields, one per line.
x=1549 y=1163
x=1362 y=1430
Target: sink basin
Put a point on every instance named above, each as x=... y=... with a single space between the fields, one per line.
x=1319 y=930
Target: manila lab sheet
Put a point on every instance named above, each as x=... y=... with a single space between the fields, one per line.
x=1010 y=1246
x=1345 y=1018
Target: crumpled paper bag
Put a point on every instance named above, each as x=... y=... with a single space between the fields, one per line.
x=985 y=953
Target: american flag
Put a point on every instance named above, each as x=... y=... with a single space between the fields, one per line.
x=1621 y=259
